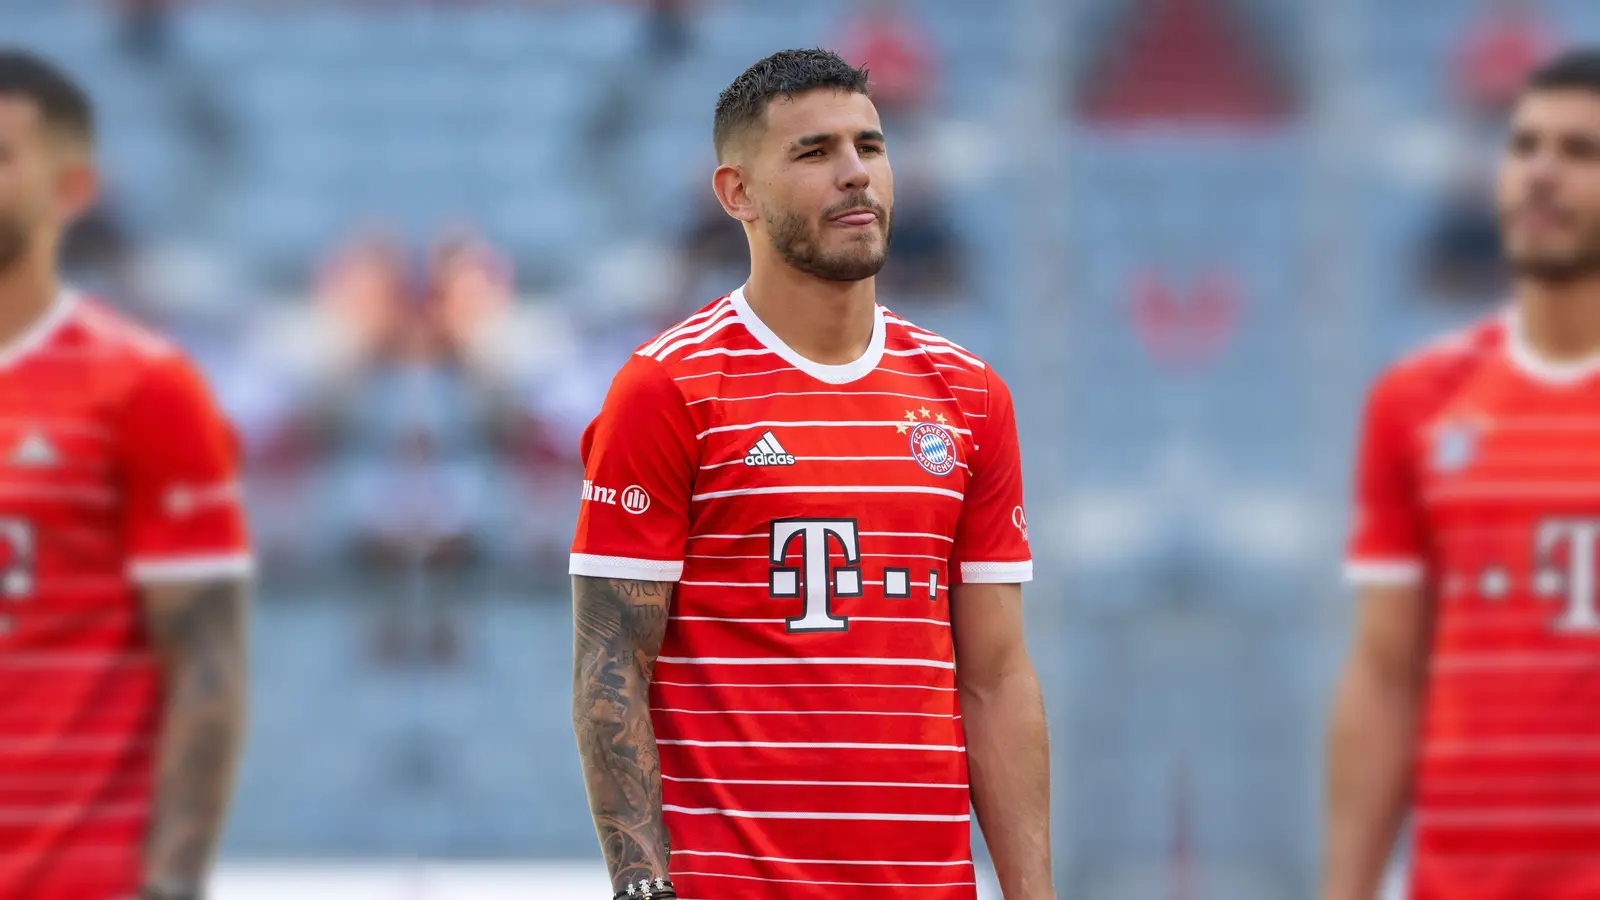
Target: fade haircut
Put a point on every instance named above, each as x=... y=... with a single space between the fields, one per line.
x=787 y=73
x=1577 y=69
x=63 y=106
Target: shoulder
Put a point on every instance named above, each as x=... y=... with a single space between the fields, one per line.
x=903 y=337
x=708 y=328
x=1426 y=378
x=149 y=367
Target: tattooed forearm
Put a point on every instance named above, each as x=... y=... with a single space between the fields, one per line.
x=618 y=628
x=199 y=635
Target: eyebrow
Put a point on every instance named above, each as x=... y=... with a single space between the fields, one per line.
x=813 y=140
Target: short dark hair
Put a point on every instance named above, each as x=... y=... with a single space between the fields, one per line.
x=783 y=74
x=1576 y=69
x=63 y=105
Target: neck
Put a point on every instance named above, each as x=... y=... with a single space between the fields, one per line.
x=827 y=322
x=28 y=290
x=1561 y=321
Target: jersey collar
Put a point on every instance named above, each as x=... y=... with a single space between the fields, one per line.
x=841 y=374
x=1528 y=361
x=43 y=328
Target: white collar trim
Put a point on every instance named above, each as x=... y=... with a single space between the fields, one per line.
x=1528 y=361
x=841 y=374
x=43 y=328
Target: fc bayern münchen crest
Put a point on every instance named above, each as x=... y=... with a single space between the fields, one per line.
x=934 y=448
x=1454 y=447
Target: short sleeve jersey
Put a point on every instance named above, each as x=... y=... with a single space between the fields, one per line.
x=116 y=469
x=814 y=518
x=1479 y=480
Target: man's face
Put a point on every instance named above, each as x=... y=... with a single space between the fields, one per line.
x=1549 y=186
x=823 y=183
x=28 y=170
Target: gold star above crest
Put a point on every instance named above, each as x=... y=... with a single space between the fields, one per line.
x=941 y=419
x=911 y=416
x=902 y=428
x=924 y=412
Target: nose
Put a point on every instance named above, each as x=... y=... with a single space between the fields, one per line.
x=853 y=174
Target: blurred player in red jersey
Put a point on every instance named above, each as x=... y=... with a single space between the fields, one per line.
x=1472 y=697
x=123 y=556
x=799 y=647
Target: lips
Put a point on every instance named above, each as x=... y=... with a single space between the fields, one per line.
x=855 y=217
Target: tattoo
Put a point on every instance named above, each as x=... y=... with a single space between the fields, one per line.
x=618 y=629
x=199 y=634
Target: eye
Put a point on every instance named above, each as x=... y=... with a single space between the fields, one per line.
x=811 y=154
x=871 y=148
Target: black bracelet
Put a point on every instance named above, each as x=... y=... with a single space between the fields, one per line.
x=647 y=889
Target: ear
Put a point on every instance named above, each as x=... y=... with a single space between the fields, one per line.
x=731 y=185
x=77 y=186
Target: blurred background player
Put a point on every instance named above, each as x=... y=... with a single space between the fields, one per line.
x=802 y=513
x=123 y=555
x=1470 y=698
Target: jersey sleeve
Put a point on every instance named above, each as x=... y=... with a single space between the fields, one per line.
x=1387 y=541
x=183 y=515
x=639 y=457
x=991 y=545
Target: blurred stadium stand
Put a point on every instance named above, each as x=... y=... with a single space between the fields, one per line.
x=1228 y=282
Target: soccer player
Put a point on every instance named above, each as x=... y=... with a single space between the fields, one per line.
x=123 y=555
x=799 y=647
x=1472 y=695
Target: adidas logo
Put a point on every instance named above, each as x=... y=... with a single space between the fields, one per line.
x=34 y=452
x=768 y=452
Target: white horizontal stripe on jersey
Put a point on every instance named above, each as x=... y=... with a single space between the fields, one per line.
x=1515 y=490
x=852 y=685
x=805 y=661
x=890 y=423
x=974 y=391
x=191 y=568
x=73 y=743
x=790 y=369
x=907 y=458
x=1534 y=817
x=815 y=745
x=1379 y=572
x=699 y=319
x=784 y=783
x=796 y=712
x=54 y=426
x=729 y=537
x=72 y=660
x=1507 y=662
x=765 y=534
x=56 y=492
x=816 y=816
x=28 y=815
x=689 y=340
x=918 y=397
x=902 y=621
x=737 y=584
x=951 y=351
x=829 y=489
x=823 y=862
x=590 y=565
x=832 y=883
x=724 y=351
x=1531 y=747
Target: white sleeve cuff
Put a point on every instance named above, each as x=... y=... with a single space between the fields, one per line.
x=191 y=568
x=997 y=572
x=1381 y=572
x=591 y=566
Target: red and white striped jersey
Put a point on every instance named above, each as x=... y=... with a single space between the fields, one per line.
x=1480 y=477
x=815 y=518
x=115 y=469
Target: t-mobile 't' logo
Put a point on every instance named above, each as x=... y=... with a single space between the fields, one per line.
x=1578 y=538
x=784 y=581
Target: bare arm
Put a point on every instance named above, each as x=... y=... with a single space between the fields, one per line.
x=1008 y=747
x=1372 y=739
x=618 y=629
x=198 y=631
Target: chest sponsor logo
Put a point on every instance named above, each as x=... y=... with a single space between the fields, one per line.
x=768 y=452
x=34 y=451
